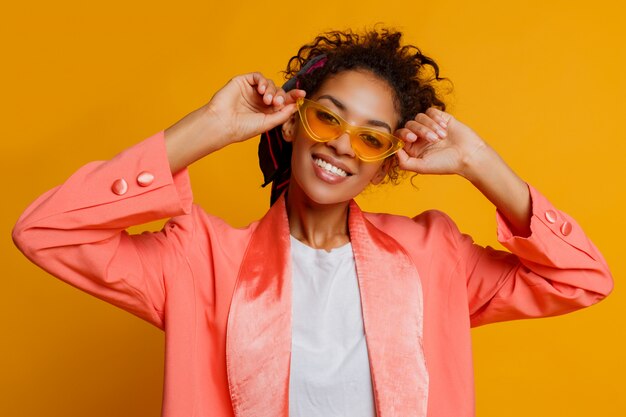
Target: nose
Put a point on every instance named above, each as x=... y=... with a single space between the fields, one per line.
x=342 y=145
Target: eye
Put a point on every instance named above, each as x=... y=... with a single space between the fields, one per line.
x=326 y=117
x=371 y=141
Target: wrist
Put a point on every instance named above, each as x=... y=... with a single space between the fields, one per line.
x=215 y=131
x=491 y=175
x=479 y=162
x=193 y=137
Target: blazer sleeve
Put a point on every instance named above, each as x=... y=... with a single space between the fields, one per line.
x=555 y=270
x=76 y=231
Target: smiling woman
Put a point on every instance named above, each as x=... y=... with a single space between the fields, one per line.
x=365 y=100
x=318 y=308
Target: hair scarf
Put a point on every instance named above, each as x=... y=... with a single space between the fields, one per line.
x=274 y=152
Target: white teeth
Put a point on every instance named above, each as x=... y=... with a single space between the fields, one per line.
x=330 y=168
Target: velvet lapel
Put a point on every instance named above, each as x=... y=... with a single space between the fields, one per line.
x=258 y=336
x=258 y=340
x=392 y=304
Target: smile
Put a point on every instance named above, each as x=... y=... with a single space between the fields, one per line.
x=330 y=168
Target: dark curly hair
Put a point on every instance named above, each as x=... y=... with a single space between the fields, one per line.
x=413 y=76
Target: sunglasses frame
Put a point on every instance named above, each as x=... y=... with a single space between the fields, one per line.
x=352 y=130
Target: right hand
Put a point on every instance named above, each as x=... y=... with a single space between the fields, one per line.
x=251 y=104
x=246 y=106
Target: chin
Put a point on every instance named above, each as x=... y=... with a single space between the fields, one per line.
x=327 y=199
x=318 y=193
x=313 y=184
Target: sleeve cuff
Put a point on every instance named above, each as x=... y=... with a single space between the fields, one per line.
x=548 y=226
x=136 y=186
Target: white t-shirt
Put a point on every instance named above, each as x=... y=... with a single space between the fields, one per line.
x=330 y=373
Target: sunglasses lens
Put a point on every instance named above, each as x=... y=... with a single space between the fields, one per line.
x=324 y=125
x=371 y=144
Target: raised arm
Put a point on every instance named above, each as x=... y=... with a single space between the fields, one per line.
x=553 y=268
x=437 y=143
x=76 y=231
x=246 y=106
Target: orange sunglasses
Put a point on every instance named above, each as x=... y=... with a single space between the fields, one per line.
x=323 y=125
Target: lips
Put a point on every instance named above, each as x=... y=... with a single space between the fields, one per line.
x=330 y=168
x=332 y=165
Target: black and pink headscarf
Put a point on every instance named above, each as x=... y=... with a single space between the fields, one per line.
x=274 y=151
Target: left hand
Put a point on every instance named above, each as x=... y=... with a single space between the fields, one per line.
x=437 y=143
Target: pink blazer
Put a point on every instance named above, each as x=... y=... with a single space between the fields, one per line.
x=223 y=295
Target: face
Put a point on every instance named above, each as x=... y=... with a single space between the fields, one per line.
x=330 y=172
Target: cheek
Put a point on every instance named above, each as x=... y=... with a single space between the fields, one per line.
x=300 y=154
x=304 y=146
x=370 y=170
x=301 y=146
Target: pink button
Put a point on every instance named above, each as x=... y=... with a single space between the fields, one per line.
x=120 y=186
x=145 y=178
x=566 y=228
x=551 y=216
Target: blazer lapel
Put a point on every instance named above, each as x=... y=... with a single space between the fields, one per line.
x=258 y=339
x=392 y=305
x=258 y=335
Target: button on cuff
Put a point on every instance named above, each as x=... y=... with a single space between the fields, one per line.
x=120 y=186
x=566 y=228
x=145 y=178
x=550 y=216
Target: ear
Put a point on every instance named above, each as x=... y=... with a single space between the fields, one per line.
x=289 y=128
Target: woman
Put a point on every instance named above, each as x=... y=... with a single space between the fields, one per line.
x=318 y=308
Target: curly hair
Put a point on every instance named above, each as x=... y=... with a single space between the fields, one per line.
x=412 y=76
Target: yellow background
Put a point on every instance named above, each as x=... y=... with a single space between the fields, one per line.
x=542 y=81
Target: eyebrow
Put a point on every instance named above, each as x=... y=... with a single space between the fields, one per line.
x=341 y=106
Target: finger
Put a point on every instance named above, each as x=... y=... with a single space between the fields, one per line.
x=282 y=98
x=405 y=134
x=431 y=124
x=279 y=117
x=270 y=92
x=421 y=131
x=439 y=116
x=402 y=157
x=417 y=148
x=408 y=163
x=293 y=95
x=257 y=79
x=279 y=98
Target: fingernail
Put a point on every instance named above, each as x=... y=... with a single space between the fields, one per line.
x=441 y=133
x=270 y=97
x=280 y=100
x=431 y=136
x=443 y=124
x=411 y=136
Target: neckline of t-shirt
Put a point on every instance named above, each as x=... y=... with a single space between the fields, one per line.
x=334 y=251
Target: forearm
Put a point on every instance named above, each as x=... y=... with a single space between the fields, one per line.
x=76 y=230
x=193 y=137
x=245 y=107
x=488 y=172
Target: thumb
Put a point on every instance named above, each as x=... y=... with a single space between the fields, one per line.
x=279 y=117
x=409 y=163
